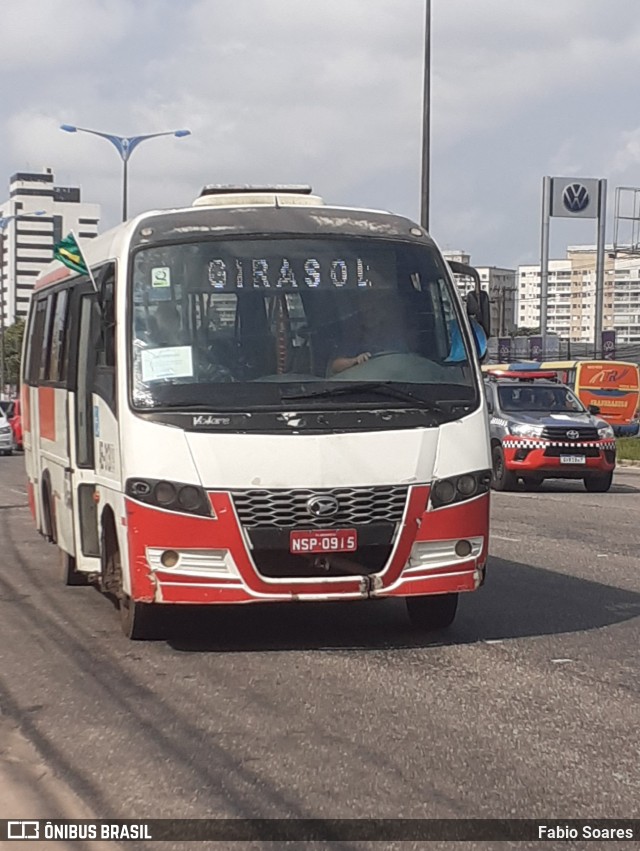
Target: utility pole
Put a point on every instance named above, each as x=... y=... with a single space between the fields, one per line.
x=426 y=122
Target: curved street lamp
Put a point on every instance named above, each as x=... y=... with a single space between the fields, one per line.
x=125 y=146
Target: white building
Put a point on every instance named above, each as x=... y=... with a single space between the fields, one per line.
x=499 y=283
x=26 y=243
x=571 y=296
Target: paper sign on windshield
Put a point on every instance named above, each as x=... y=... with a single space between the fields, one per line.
x=170 y=362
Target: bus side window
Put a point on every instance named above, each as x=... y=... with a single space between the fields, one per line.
x=59 y=312
x=46 y=342
x=36 y=346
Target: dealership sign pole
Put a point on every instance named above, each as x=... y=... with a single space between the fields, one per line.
x=573 y=198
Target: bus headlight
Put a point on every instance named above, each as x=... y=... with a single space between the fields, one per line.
x=165 y=493
x=605 y=433
x=172 y=496
x=467 y=485
x=444 y=491
x=459 y=488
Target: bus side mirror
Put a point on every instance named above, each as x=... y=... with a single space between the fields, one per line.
x=478 y=305
x=593 y=409
x=479 y=308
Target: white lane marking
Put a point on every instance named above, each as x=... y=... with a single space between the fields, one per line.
x=504 y=538
x=602 y=555
x=15 y=490
x=561 y=661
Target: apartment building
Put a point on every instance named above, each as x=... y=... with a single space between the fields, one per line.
x=39 y=214
x=571 y=296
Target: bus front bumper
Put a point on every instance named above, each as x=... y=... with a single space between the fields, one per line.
x=179 y=558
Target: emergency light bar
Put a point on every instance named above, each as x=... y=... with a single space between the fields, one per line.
x=522 y=375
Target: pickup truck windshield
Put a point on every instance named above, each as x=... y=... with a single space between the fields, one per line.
x=545 y=399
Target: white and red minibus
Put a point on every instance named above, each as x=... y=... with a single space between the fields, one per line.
x=259 y=398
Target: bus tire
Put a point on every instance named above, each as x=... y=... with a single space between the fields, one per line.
x=433 y=612
x=502 y=479
x=598 y=484
x=68 y=573
x=138 y=621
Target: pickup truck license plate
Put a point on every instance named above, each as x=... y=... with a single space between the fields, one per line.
x=323 y=541
x=572 y=459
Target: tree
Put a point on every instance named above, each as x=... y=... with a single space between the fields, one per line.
x=13 y=352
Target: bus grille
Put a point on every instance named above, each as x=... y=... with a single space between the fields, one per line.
x=288 y=508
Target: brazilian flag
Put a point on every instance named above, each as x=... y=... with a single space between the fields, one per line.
x=68 y=251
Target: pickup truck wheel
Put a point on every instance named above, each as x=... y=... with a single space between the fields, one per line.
x=598 y=484
x=532 y=483
x=431 y=613
x=502 y=479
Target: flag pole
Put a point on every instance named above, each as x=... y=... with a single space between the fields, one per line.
x=84 y=260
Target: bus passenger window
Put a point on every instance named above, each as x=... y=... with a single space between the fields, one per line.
x=54 y=369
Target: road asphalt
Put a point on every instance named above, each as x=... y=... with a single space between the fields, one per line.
x=29 y=788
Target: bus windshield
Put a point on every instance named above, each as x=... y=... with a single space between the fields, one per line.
x=227 y=323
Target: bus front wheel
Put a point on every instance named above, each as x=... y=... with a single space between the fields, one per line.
x=433 y=612
x=139 y=621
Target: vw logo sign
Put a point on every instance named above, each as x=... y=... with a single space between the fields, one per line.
x=609 y=346
x=575 y=197
x=572 y=434
x=322 y=506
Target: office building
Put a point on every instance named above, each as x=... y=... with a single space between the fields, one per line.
x=26 y=243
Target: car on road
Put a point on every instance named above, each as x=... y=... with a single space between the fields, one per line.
x=541 y=430
x=6 y=435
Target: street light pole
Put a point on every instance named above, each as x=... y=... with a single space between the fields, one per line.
x=125 y=146
x=2 y=308
x=125 y=187
x=426 y=122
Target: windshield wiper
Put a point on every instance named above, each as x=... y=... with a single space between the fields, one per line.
x=382 y=388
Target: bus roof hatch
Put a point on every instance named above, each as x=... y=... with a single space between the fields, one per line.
x=220 y=195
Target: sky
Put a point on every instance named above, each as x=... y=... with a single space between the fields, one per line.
x=330 y=94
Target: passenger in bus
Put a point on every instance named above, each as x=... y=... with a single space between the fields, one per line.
x=166 y=327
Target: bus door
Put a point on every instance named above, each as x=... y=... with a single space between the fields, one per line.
x=94 y=379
